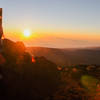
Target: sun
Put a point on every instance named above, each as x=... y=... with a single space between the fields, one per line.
x=27 y=33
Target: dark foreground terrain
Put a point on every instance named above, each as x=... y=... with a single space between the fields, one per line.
x=24 y=77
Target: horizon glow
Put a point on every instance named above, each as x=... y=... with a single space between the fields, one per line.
x=53 y=23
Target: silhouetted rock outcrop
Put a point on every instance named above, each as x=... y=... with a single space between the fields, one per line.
x=24 y=79
x=14 y=48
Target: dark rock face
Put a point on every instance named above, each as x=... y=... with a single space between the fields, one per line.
x=22 y=79
x=12 y=47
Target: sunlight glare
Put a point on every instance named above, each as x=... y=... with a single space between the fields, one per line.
x=27 y=33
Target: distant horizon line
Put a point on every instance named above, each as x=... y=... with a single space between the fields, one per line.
x=88 y=47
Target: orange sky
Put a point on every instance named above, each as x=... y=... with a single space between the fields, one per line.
x=17 y=34
x=54 y=38
x=53 y=23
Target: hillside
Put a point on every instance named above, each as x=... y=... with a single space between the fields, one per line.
x=23 y=77
x=67 y=57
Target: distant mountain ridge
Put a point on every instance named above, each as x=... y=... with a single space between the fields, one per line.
x=68 y=56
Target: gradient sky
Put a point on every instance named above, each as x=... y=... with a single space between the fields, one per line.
x=53 y=23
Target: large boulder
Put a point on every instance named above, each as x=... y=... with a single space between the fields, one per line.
x=12 y=50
